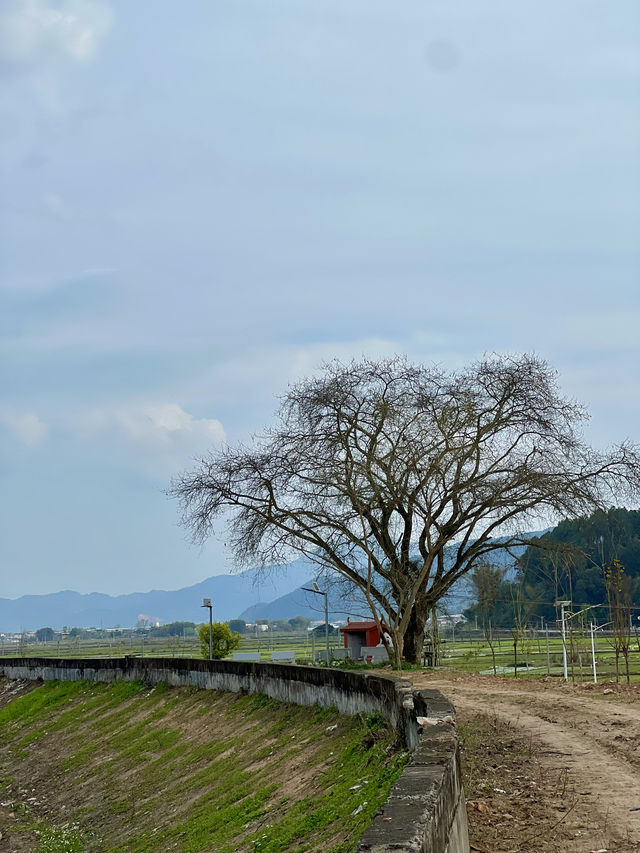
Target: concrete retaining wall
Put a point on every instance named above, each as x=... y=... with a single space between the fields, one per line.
x=426 y=805
x=426 y=810
x=349 y=691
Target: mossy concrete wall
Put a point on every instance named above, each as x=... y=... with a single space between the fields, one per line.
x=425 y=812
x=349 y=691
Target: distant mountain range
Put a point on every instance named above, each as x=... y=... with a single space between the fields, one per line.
x=275 y=595
x=230 y=594
x=299 y=602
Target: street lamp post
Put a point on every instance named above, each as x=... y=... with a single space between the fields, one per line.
x=206 y=602
x=317 y=591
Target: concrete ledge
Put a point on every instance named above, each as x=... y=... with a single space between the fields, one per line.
x=350 y=692
x=426 y=811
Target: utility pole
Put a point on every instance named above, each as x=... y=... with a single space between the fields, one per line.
x=562 y=605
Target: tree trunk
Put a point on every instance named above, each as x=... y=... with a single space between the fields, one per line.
x=489 y=638
x=414 y=636
x=398 y=648
x=435 y=637
x=626 y=665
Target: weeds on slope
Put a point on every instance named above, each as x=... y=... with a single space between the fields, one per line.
x=126 y=768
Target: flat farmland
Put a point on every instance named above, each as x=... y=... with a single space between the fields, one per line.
x=537 y=655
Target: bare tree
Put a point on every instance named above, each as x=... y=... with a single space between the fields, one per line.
x=374 y=467
x=519 y=628
x=486 y=580
x=620 y=612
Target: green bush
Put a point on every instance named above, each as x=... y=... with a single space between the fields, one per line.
x=224 y=640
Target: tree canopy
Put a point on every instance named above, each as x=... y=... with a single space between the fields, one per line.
x=374 y=467
x=223 y=640
x=568 y=563
x=174 y=629
x=45 y=635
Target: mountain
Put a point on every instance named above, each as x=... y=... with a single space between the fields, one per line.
x=230 y=595
x=249 y=595
x=302 y=603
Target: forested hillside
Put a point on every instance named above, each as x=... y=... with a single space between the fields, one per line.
x=568 y=565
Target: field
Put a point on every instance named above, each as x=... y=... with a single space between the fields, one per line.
x=126 y=768
x=548 y=767
x=538 y=653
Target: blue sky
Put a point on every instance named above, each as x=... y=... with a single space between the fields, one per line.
x=203 y=201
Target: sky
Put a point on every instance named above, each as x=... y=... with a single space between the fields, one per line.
x=201 y=202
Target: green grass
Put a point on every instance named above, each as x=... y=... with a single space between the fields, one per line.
x=36 y=704
x=66 y=838
x=474 y=656
x=265 y=643
x=187 y=770
x=362 y=759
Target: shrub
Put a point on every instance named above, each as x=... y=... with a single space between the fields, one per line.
x=224 y=640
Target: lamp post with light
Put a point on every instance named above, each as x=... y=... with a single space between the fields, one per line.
x=317 y=591
x=206 y=602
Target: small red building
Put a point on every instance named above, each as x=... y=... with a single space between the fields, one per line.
x=359 y=634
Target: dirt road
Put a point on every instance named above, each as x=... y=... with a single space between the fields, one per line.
x=570 y=782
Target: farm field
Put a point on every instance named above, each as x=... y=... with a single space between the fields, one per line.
x=537 y=654
x=548 y=767
x=126 y=768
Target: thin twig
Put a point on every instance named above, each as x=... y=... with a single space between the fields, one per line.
x=551 y=828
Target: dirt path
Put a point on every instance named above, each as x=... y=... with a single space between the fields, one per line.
x=587 y=739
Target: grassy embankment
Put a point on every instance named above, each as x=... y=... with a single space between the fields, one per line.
x=125 y=768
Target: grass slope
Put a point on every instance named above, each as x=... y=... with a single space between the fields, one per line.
x=125 y=768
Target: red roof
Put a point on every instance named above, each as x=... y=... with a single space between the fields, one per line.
x=359 y=626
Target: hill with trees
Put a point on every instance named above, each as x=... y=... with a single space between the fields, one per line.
x=568 y=563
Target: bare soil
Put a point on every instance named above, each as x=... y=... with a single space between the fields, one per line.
x=550 y=767
x=154 y=771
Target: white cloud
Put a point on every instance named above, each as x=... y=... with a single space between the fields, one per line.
x=38 y=32
x=155 y=438
x=166 y=423
x=40 y=42
x=26 y=427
